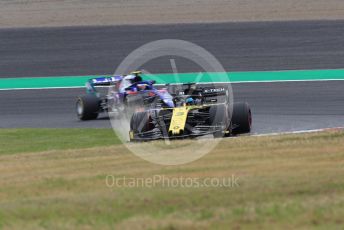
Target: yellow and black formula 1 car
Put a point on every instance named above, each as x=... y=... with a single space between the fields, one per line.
x=196 y=111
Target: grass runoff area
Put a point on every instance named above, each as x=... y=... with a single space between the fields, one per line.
x=83 y=179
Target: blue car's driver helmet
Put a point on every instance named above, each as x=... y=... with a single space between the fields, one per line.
x=137 y=75
x=190 y=101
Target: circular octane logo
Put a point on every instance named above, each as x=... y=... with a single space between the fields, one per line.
x=166 y=151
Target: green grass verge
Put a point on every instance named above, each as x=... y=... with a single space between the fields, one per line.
x=284 y=182
x=37 y=140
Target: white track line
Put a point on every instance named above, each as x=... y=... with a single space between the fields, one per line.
x=297 y=132
x=69 y=87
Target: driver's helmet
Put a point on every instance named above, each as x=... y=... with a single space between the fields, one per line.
x=137 y=75
x=190 y=101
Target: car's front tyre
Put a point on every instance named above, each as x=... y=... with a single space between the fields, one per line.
x=140 y=122
x=242 y=118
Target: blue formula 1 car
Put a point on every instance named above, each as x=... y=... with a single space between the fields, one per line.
x=125 y=93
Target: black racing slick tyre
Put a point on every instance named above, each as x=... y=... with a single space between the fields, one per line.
x=242 y=118
x=140 y=122
x=218 y=117
x=87 y=107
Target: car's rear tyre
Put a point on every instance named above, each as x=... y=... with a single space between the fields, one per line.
x=218 y=116
x=242 y=118
x=140 y=122
x=87 y=107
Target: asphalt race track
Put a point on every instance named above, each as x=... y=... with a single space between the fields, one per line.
x=277 y=107
x=238 y=46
